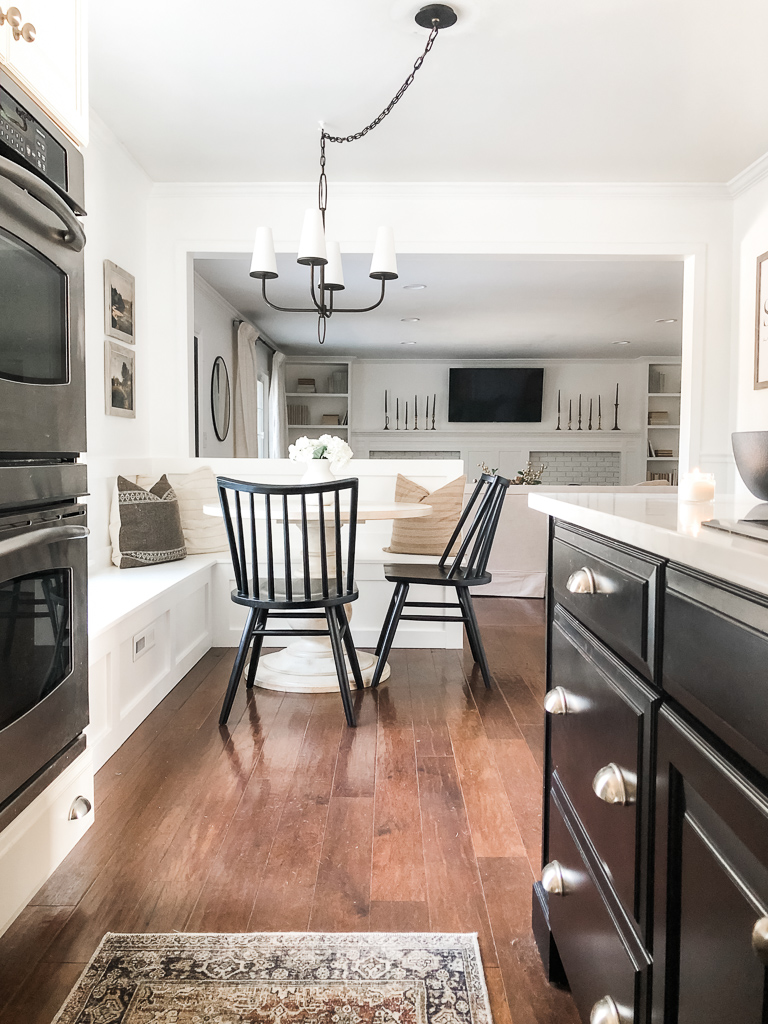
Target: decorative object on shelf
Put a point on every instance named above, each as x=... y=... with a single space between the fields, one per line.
x=320 y=454
x=529 y=475
x=397 y=414
x=406 y=414
x=338 y=383
x=325 y=256
x=599 y=413
x=651 y=450
x=616 y=411
x=119 y=304
x=696 y=486
x=415 y=412
x=386 y=410
x=579 y=426
x=26 y=32
x=434 y=403
x=589 y=424
x=658 y=417
x=306 y=386
x=298 y=415
x=558 y=410
x=483 y=467
x=570 y=413
x=426 y=415
x=330 y=419
x=220 y=398
x=761 y=324
x=119 y=380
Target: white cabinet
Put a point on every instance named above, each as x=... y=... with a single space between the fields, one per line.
x=53 y=68
x=663 y=422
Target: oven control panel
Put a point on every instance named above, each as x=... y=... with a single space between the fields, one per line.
x=21 y=136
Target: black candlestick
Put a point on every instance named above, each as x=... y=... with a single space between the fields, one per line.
x=589 y=425
x=386 y=417
x=558 y=410
x=406 y=414
x=434 y=403
x=616 y=411
x=599 y=414
x=397 y=413
x=570 y=413
x=579 y=427
x=415 y=412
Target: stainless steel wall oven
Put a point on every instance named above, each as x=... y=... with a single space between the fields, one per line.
x=43 y=554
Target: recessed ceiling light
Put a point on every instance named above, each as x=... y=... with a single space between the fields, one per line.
x=621 y=342
x=414 y=287
x=671 y=321
x=407 y=342
x=409 y=319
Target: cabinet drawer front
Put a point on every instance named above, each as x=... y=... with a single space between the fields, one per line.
x=715 y=635
x=605 y=724
x=594 y=956
x=622 y=611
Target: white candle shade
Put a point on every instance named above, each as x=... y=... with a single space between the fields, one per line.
x=384 y=262
x=696 y=486
x=312 y=244
x=263 y=264
x=333 y=276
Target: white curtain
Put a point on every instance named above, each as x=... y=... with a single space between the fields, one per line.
x=246 y=420
x=278 y=413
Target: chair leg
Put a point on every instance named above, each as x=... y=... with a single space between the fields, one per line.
x=341 y=665
x=349 y=645
x=261 y=622
x=473 y=634
x=388 y=630
x=237 y=668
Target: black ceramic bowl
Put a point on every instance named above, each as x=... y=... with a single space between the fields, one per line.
x=750 y=449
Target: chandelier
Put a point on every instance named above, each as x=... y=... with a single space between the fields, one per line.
x=322 y=255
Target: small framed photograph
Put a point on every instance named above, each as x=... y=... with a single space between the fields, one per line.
x=119 y=304
x=119 y=380
x=761 y=323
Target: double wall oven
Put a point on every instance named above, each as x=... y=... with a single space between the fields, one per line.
x=43 y=560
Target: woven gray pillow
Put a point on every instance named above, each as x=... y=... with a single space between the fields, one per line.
x=148 y=525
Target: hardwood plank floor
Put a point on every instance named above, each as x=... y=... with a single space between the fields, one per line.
x=427 y=817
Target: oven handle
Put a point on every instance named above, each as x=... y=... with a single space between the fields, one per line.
x=73 y=236
x=45 y=534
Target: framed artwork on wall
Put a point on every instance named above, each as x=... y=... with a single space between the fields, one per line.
x=119 y=304
x=761 y=323
x=119 y=380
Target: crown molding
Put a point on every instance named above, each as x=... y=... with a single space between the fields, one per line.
x=749 y=177
x=444 y=189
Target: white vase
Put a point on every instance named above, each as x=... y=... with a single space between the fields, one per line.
x=318 y=471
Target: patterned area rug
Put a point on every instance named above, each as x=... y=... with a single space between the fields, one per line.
x=281 y=978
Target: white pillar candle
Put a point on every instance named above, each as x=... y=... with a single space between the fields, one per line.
x=696 y=486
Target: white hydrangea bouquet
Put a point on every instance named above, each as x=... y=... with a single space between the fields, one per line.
x=320 y=453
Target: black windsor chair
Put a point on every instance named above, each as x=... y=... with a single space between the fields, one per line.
x=287 y=579
x=488 y=499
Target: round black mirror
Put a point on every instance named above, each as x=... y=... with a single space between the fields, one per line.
x=220 y=398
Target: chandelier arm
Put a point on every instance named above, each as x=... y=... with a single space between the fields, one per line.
x=282 y=309
x=319 y=305
x=364 y=309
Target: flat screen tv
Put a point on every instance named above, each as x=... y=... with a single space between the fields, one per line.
x=503 y=395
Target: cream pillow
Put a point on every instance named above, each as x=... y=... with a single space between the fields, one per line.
x=203 y=534
x=427 y=535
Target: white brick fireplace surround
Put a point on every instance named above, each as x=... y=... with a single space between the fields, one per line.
x=599 y=468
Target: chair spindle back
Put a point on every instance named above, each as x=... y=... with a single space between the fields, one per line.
x=487 y=500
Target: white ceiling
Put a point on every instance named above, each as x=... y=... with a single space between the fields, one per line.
x=473 y=307
x=535 y=90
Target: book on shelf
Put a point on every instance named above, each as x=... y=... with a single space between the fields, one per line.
x=330 y=419
x=657 y=417
x=651 y=450
x=664 y=453
x=298 y=415
x=669 y=477
x=306 y=386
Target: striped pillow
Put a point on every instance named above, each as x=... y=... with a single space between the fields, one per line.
x=427 y=535
x=145 y=525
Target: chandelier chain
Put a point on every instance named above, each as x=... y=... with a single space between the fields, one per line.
x=390 y=106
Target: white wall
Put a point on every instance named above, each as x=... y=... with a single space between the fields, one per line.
x=691 y=222
x=117 y=192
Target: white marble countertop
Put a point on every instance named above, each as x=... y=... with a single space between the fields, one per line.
x=670 y=528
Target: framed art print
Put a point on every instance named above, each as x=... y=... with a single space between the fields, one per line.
x=119 y=304
x=119 y=380
x=761 y=323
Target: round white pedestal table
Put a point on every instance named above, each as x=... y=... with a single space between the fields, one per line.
x=306 y=665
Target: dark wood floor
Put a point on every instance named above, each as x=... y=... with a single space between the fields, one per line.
x=425 y=817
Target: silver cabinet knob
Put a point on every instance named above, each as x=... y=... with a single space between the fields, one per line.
x=556 y=701
x=605 y=1011
x=552 y=878
x=81 y=806
x=760 y=939
x=582 y=582
x=615 y=785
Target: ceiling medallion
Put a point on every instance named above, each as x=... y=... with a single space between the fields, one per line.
x=323 y=255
